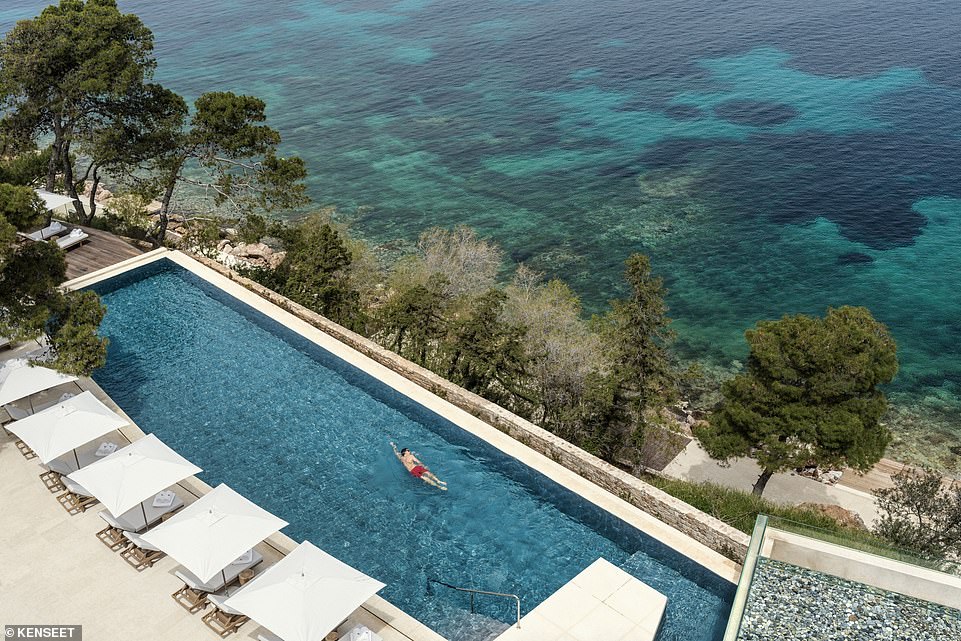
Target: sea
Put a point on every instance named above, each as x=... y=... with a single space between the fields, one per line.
x=771 y=156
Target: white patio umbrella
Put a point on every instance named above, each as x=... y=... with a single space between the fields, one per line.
x=66 y=426
x=210 y=534
x=305 y=595
x=18 y=379
x=131 y=475
x=53 y=201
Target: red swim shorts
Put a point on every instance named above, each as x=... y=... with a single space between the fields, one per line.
x=418 y=471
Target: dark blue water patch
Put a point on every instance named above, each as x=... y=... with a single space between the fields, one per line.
x=854 y=258
x=683 y=112
x=755 y=113
x=866 y=183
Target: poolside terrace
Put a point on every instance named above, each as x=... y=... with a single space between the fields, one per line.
x=102 y=249
x=55 y=570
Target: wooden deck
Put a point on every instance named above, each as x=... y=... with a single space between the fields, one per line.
x=102 y=249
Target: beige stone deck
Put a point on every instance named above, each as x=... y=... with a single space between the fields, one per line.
x=602 y=602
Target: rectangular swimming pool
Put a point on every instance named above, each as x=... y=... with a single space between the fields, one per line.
x=306 y=435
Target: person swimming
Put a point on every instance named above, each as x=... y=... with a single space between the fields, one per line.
x=417 y=469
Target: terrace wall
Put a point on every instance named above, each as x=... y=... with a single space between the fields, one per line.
x=701 y=527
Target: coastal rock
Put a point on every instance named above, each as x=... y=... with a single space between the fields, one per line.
x=275 y=259
x=256 y=255
x=253 y=250
x=102 y=196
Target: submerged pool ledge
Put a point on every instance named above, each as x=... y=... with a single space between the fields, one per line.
x=506 y=443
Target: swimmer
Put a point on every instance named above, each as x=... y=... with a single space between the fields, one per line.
x=417 y=469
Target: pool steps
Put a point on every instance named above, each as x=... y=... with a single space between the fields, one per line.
x=602 y=602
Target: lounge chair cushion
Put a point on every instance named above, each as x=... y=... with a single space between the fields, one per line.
x=55 y=228
x=75 y=237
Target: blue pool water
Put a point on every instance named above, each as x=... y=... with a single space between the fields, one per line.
x=306 y=436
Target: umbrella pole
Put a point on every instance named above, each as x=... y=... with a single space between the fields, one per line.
x=143 y=510
x=223 y=573
x=76 y=458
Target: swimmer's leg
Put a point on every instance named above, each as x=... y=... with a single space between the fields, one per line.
x=430 y=479
x=434 y=480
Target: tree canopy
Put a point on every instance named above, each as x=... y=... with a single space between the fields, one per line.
x=922 y=512
x=71 y=72
x=810 y=394
x=225 y=149
x=31 y=302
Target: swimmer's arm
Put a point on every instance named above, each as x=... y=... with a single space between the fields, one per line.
x=396 y=453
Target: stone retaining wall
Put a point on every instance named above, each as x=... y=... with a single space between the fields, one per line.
x=702 y=527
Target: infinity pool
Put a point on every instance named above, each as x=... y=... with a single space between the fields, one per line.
x=306 y=435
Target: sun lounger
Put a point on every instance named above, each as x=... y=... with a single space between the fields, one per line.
x=16 y=413
x=265 y=635
x=54 y=229
x=223 y=619
x=140 y=554
x=76 y=499
x=193 y=595
x=67 y=464
x=133 y=521
x=72 y=239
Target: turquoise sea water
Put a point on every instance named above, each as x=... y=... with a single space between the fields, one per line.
x=772 y=157
x=307 y=437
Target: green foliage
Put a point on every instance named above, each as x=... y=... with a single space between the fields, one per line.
x=227 y=151
x=202 y=236
x=32 y=304
x=69 y=73
x=125 y=217
x=922 y=512
x=638 y=334
x=561 y=350
x=486 y=355
x=600 y=423
x=28 y=288
x=227 y=138
x=809 y=394
x=740 y=509
x=252 y=228
x=314 y=272
x=635 y=333
x=412 y=321
x=21 y=207
x=77 y=348
x=25 y=168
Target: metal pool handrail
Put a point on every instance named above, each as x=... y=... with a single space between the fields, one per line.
x=472 y=592
x=747 y=578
